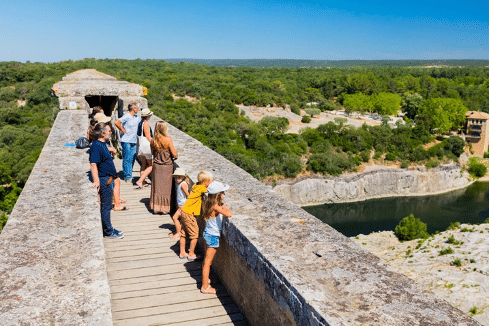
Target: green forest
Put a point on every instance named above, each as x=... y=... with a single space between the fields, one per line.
x=434 y=99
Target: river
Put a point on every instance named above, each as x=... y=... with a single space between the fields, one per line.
x=467 y=205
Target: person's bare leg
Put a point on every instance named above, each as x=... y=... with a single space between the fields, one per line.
x=191 y=253
x=206 y=268
x=143 y=167
x=117 y=194
x=145 y=174
x=178 y=226
x=183 y=253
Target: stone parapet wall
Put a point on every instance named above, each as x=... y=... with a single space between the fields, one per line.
x=374 y=184
x=52 y=258
x=284 y=266
x=281 y=265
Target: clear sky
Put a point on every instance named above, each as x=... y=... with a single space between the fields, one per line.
x=51 y=31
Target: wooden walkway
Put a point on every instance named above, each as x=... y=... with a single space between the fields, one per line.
x=149 y=283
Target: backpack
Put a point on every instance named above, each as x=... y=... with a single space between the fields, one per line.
x=82 y=143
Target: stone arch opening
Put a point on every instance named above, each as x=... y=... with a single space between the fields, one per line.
x=107 y=102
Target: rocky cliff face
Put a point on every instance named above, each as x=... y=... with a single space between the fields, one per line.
x=383 y=182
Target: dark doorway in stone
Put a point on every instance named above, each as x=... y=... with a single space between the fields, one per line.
x=106 y=102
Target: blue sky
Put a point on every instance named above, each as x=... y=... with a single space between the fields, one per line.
x=51 y=31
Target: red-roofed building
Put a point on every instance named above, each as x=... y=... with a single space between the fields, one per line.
x=477 y=132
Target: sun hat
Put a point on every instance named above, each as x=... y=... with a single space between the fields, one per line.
x=146 y=112
x=179 y=172
x=101 y=118
x=217 y=187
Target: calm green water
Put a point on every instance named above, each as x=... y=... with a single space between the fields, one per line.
x=468 y=205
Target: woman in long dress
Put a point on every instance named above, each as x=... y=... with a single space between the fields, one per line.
x=163 y=155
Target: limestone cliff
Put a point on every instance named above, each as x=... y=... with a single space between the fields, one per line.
x=382 y=182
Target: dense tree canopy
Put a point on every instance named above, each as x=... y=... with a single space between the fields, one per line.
x=434 y=98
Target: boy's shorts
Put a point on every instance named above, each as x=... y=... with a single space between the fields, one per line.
x=190 y=229
x=212 y=241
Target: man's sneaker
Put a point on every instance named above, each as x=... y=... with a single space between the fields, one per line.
x=115 y=235
x=119 y=231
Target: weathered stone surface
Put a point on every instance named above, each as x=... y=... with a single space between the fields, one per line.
x=52 y=259
x=313 y=273
x=374 y=184
x=75 y=86
x=464 y=287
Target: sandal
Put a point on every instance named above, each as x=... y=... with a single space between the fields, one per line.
x=208 y=290
x=124 y=208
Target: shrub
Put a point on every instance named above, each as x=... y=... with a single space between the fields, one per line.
x=377 y=155
x=405 y=164
x=454 y=226
x=486 y=154
x=306 y=119
x=473 y=310
x=452 y=240
x=294 y=107
x=432 y=164
x=390 y=156
x=457 y=262
x=327 y=105
x=448 y=250
x=477 y=169
x=365 y=154
x=410 y=228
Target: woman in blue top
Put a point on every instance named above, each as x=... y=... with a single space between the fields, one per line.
x=146 y=160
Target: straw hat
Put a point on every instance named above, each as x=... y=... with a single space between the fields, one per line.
x=179 y=172
x=146 y=112
x=101 y=118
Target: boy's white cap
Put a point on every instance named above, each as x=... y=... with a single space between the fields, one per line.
x=217 y=187
x=179 y=172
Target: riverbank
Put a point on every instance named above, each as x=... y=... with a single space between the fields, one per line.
x=378 y=182
x=466 y=286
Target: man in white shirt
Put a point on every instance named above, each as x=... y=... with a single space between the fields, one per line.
x=128 y=125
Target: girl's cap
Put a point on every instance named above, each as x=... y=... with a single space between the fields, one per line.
x=179 y=172
x=217 y=187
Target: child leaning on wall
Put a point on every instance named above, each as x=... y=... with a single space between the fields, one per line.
x=183 y=183
x=213 y=213
x=190 y=209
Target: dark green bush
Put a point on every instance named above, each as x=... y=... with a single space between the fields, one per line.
x=405 y=164
x=477 y=169
x=294 y=107
x=306 y=119
x=377 y=155
x=365 y=154
x=457 y=262
x=411 y=228
x=448 y=250
x=452 y=240
x=390 y=156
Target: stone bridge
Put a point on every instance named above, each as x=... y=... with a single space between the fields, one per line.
x=281 y=265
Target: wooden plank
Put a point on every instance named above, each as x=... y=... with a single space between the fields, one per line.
x=182 y=316
x=171 y=308
x=235 y=319
x=151 y=271
x=185 y=279
x=145 y=263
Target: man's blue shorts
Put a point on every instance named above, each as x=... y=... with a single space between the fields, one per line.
x=211 y=240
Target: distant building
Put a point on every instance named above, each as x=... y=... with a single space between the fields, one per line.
x=477 y=132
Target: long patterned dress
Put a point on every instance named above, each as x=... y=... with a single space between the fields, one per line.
x=161 y=182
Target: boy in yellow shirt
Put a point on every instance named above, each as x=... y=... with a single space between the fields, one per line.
x=190 y=209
